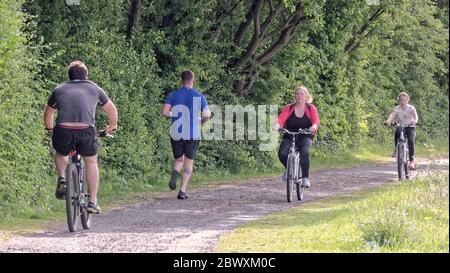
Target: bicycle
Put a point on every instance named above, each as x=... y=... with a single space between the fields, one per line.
x=403 y=167
x=76 y=191
x=293 y=166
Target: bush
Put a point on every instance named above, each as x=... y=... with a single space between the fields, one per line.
x=410 y=216
x=23 y=158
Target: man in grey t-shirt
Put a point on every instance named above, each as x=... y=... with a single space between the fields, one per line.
x=76 y=101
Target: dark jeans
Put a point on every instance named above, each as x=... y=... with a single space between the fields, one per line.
x=410 y=135
x=303 y=145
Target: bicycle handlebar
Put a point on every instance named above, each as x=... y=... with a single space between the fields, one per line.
x=300 y=131
x=102 y=133
x=397 y=124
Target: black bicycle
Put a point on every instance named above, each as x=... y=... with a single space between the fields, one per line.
x=403 y=166
x=293 y=166
x=76 y=191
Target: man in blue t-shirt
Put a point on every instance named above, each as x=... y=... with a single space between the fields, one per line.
x=188 y=109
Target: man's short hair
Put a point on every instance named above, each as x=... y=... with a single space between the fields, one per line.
x=187 y=76
x=77 y=71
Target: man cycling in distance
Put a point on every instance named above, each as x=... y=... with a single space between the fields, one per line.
x=184 y=106
x=75 y=101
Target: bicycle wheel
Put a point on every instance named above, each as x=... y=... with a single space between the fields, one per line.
x=291 y=171
x=406 y=162
x=86 y=217
x=400 y=164
x=298 y=185
x=407 y=171
x=300 y=191
x=72 y=192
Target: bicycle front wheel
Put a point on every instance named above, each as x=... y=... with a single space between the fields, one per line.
x=400 y=164
x=292 y=176
x=71 y=194
x=406 y=162
x=300 y=191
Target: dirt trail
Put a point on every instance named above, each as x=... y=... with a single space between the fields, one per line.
x=165 y=224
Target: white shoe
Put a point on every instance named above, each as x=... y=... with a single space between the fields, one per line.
x=306 y=183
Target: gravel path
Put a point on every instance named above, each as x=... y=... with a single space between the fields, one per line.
x=165 y=224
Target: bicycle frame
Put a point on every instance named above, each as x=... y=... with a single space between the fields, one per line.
x=76 y=159
x=296 y=155
x=77 y=190
x=293 y=166
x=402 y=143
x=402 y=153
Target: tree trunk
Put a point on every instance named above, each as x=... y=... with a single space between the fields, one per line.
x=353 y=44
x=242 y=29
x=168 y=19
x=285 y=30
x=284 y=39
x=133 y=17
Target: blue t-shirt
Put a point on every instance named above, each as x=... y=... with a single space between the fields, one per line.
x=187 y=105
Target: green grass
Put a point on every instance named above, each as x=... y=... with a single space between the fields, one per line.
x=113 y=196
x=433 y=148
x=411 y=216
x=372 y=153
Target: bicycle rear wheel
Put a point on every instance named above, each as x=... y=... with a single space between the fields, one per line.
x=292 y=176
x=71 y=194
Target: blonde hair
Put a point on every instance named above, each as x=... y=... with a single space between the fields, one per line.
x=309 y=98
x=403 y=94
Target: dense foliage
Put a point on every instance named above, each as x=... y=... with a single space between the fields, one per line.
x=354 y=57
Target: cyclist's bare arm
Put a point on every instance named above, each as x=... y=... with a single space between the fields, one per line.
x=416 y=117
x=206 y=115
x=390 y=118
x=276 y=127
x=48 y=117
x=111 y=111
x=165 y=111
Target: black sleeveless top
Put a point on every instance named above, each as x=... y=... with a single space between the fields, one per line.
x=294 y=123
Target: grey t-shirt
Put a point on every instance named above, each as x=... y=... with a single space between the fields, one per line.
x=76 y=101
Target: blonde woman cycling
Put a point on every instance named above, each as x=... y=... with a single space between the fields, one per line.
x=301 y=114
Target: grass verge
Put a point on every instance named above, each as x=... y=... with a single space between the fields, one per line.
x=410 y=216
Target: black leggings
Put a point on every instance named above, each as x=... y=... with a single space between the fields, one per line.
x=410 y=134
x=303 y=144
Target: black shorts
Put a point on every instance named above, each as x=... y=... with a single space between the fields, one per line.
x=83 y=140
x=182 y=147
